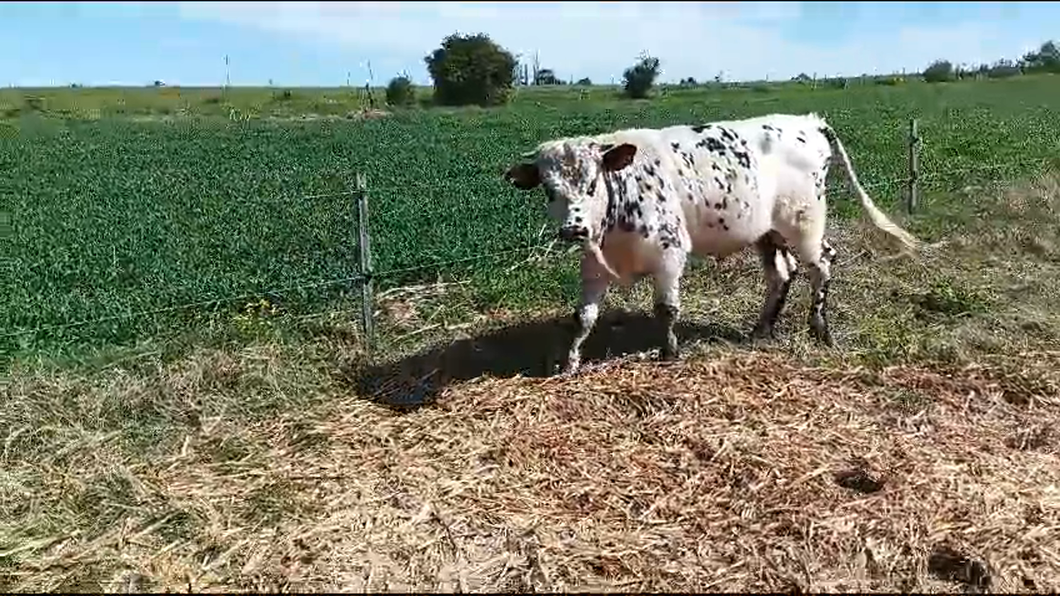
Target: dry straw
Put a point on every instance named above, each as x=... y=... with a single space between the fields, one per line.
x=743 y=472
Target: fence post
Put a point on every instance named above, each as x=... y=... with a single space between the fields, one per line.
x=914 y=166
x=365 y=250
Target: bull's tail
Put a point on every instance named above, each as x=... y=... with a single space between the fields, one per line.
x=879 y=218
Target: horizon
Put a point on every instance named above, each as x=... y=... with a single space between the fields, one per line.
x=338 y=44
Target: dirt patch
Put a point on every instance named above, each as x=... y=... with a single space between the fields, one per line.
x=372 y=114
x=354 y=115
x=745 y=472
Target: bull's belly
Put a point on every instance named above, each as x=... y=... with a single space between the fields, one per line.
x=720 y=234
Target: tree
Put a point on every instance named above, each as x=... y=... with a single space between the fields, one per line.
x=545 y=76
x=1046 y=59
x=1002 y=69
x=471 y=69
x=939 y=71
x=400 y=92
x=585 y=82
x=639 y=78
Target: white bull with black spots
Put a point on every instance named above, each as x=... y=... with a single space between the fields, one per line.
x=642 y=200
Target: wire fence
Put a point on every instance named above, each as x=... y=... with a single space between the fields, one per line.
x=363 y=276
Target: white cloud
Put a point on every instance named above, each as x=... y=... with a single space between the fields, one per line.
x=600 y=39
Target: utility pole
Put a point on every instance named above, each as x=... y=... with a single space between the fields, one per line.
x=228 y=73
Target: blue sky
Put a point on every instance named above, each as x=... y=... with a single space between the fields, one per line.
x=318 y=43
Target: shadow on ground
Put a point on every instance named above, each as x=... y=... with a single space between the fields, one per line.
x=534 y=349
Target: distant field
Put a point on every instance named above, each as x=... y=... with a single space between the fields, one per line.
x=130 y=200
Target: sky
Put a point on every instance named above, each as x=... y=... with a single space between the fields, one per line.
x=332 y=43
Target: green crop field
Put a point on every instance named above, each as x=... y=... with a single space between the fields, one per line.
x=119 y=202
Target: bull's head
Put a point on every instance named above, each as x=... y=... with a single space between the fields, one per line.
x=570 y=173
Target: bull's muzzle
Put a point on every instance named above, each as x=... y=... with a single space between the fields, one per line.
x=574 y=233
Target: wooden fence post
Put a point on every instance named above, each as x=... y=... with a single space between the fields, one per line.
x=365 y=250
x=914 y=166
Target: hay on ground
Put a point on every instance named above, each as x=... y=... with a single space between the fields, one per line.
x=747 y=472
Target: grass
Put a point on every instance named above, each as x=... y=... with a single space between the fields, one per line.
x=136 y=215
x=258 y=448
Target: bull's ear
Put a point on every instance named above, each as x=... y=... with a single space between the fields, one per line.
x=616 y=158
x=524 y=176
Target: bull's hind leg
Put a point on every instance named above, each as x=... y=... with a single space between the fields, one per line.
x=820 y=279
x=780 y=269
x=667 y=285
x=818 y=255
x=594 y=288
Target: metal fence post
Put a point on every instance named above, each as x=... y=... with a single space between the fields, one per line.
x=365 y=250
x=914 y=166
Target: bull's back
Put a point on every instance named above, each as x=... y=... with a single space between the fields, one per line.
x=719 y=188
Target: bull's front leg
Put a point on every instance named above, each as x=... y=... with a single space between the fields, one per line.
x=667 y=282
x=594 y=289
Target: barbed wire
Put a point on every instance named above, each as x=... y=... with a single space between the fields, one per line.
x=328 y=195
x=391 y=187
x=924 y=179
x=437 y=265
x=471 y=259
x=186 y=306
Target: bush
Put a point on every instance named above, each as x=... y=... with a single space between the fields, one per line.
x=34 y=103
x=837 y=83
x=1003 y=69
x=471 y=70
x=639 y=78
x=939 y=71
x=546 y=76
x=585 y=82
x=400 y=92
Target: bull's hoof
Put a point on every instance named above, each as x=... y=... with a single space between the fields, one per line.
x=670 y=354
x=569 y=370
x=763 y=334
x=822 y=335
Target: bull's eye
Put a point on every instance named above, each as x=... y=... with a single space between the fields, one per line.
x=592 y=187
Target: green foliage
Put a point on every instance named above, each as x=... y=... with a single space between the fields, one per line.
x=34 y=103
x=471 y=70
x=639 y=78
x=1003 y=69
x=113 y=216
x=584 y=82
x=400 y=91
x=939 y=71
x=1046 y=59
x=836 y=83
x=546 y=76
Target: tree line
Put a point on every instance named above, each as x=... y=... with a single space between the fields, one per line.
x=1045 y=60
x=474 y=70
